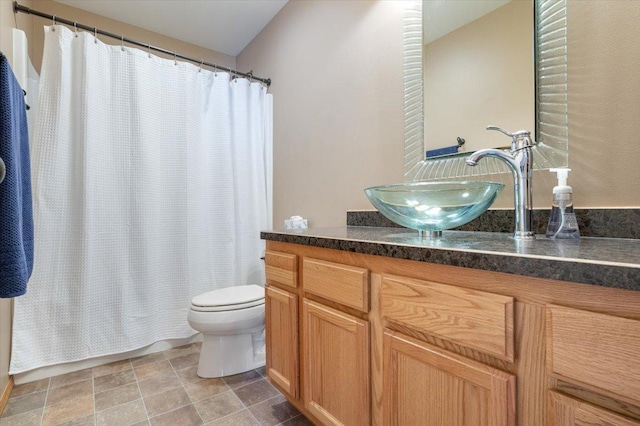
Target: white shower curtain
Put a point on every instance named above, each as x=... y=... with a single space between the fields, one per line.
x=150 y=186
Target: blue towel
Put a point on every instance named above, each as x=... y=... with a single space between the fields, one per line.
x=16 y=217
x=442 y=151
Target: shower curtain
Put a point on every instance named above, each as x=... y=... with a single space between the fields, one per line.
x=151 y=185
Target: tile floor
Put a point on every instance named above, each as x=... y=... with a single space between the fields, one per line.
x=157 y=389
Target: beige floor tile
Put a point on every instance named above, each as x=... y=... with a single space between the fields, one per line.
x=111 y=368
x=166 y=401
x=142 y=423
x=274 y=411
x=182 y=350
x=117 y=396
x=159 y=384
x=262 y=370
x=32 y=387
x=218 y=406
x=185 y=416
x=241 y=418
x=185 y=361
x=29 y=418
x=147 y=371
x=147 y=359
x=114 y=380
x=67 y=392
x=69 y=378
x=68 y=410
x=188 y=375
x=242 y=379
x=22 y=404
x=82 y=421
x=298 y=421
x=205 y=388
x=256 y=392
x=122 y=415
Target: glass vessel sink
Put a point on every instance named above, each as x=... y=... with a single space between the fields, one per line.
x=433 y=206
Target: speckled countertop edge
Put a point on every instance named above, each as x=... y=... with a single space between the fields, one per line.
x=606 y=262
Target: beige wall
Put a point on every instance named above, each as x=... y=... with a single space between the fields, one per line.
x=336 y=68
x=480 y=74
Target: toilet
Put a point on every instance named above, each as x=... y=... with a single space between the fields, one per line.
x=231 y=321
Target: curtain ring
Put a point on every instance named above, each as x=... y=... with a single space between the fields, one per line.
x=75 y=28
x=95 y=35
x=215 y=70
x=149 y=50
x=53 y=26
x=201 y=63
x=122 y=42
x=175 y=58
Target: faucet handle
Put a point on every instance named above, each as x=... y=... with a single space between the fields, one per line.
x=520 y=139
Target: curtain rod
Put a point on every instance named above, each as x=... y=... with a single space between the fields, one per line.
x=19 y=8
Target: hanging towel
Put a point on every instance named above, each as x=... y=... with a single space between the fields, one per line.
x=16 y=217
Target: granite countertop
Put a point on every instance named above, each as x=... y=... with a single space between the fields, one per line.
x=609 y=262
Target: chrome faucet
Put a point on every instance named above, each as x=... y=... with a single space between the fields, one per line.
x=520 y=161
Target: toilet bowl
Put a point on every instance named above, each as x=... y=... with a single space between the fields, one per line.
x=231 y=321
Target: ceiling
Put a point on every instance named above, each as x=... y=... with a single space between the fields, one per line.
x=440 y=17
x=226 y=26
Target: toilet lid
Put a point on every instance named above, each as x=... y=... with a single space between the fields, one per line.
x=237 y=297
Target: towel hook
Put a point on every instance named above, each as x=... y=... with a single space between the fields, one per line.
x=95 y=35
x=53 y=26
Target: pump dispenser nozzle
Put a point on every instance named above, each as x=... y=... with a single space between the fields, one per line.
x=562 y=187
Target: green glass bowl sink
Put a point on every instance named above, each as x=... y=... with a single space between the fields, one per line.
x=433 y=206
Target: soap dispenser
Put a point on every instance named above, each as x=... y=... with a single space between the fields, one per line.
x=562 y=223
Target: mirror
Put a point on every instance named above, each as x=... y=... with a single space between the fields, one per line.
x=519 y=87
x=477 y=63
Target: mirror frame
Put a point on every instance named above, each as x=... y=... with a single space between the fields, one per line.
x=552 y=127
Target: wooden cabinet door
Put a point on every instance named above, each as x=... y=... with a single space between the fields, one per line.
x=281 y=325
x=336 y=360
x=428 y=386
x=566 y=411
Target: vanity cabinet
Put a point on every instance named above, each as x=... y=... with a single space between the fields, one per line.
x=363 y=339
x=281 y=327
x=281 y=321
x=468 y=392
x=336 y=342
x=592 y=352
x=566 y=411
x=425 y=385
x=336 y=362
x=318 y=337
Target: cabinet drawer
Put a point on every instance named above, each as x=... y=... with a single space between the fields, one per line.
x=597 y=350
x=471 y=318
x=348 y=285
x=281 y=268
x=567 y=411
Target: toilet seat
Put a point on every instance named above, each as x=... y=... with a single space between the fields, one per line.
x=229 y=299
